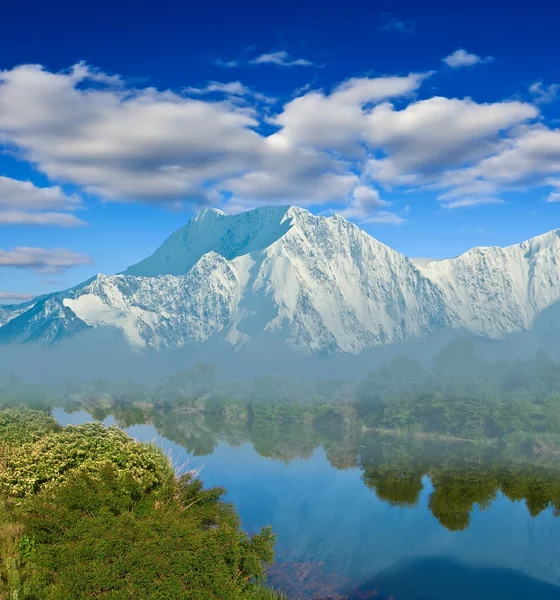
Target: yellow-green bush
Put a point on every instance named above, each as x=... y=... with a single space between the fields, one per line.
x=88 y=513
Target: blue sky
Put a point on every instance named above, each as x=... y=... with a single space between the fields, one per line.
x=435 y=127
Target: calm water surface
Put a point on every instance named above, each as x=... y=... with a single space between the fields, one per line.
x=338 y=539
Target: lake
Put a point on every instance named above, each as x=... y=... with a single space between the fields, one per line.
x=381 y=516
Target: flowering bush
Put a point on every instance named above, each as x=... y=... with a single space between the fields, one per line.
x=27 y=468
x=21 y=424
x=87 y=512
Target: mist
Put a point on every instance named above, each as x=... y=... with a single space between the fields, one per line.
x=104 y=353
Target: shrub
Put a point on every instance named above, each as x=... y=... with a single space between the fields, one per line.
x=84 y=448
x=88 y=513
x=19 y=425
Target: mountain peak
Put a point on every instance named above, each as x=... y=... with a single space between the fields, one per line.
x=211 y=230
x=318 y=283
x=209 y=213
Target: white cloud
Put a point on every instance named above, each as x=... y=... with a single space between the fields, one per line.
x=124 y=144
x=233 y=88
x=303 y=188
x=367 y=196
x=337 y=147
x=529 y=158
x=526 y=159
x=24 y=195
x=281 y=59
x=298 y=165
x=15 y=217
x=82 y=71
x=427 y=138
x=23 y=203
x=365 y=201
x=385 y=217
x=473 y=201
x=144 y=144
x=553 y=196
x=365 y=206
x=226 y=64
x=13 y=296
x=544 y=94
x=42 y=260
x=462 y=58
x=337 y=121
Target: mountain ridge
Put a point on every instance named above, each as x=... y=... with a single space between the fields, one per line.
x=320 y=284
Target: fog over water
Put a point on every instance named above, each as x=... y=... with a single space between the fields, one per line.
x=105 y=353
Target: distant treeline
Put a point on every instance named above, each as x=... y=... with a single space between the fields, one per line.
x=459 y=395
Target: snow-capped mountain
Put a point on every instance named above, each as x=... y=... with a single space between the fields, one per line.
x=46 y=320
x=320 y=284
x=496 y=291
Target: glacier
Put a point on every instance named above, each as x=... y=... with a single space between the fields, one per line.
x=319 y=284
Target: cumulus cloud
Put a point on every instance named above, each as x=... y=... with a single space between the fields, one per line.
x=15 y=297
x=42 y=260
x=298 y=165
x=24 y=195
x=529 y=158
x=365 y=206
x=336 y=121
x=214 y=145
x=364 y=201
x=526 y=159
x=16 y=217
x=124 y=144
x=462 y=58
x=281 y=59
x=427 y=138
x=144 y=144
x=23 y=203
x=543 y=94
x=303 y=188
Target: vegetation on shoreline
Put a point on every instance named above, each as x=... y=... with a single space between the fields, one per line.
x=70 y=496
x=86 y=512
x=458 y=396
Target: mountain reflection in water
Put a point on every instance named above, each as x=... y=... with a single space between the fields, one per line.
x=361 y=514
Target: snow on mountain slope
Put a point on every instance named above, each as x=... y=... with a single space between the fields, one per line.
x=212 y=230
x=327 y=286
x=497 y=291
x=11 y=311
x=320 y=284
x=46 y=321
x=161 y=312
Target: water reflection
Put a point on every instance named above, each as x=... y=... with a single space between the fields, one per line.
x=445 y=579
x=464 y=476
x=356 y=512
